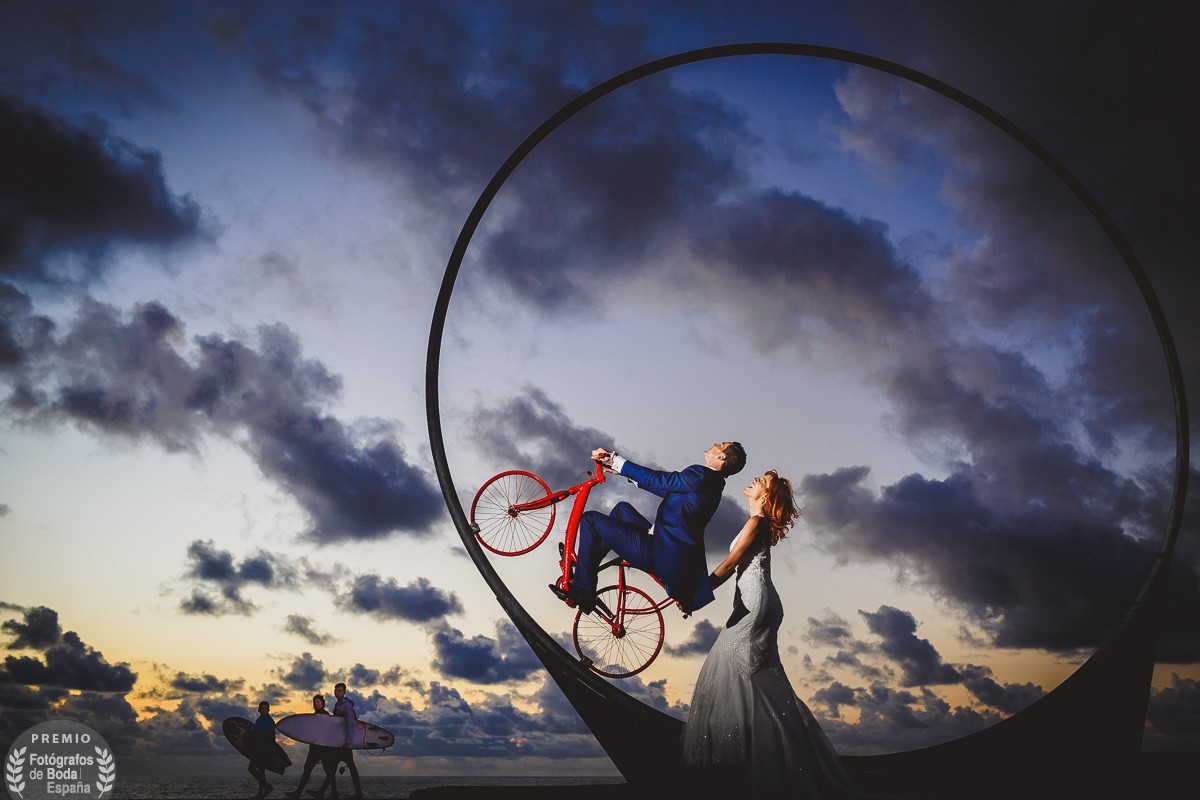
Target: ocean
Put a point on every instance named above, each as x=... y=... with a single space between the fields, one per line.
x=138 y=787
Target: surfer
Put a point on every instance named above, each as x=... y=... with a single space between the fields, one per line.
x=264 y=739
x=325 y=756
x=344 y=707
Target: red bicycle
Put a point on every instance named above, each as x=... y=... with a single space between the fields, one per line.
x=513 y=513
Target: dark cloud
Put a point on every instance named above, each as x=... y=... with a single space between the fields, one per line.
x=69 y=664
x=1009 y=567
x=853 y=659
x=444 y=723
x=304 y=627
x=482 y=659
x=613 y=177
x=135 y=379
x=1103 y=112
x=834 y=696
x=831 y=630
x=1173 y=716
x=1008 y=698
x=804 y=262
x=201 y=604
x=39 y=631
x=699 y=641
x=66 y=52
x=207 y=563
x=419 y=601
x=203 y=684
x=72 y=194
x=304 y=673
x=918 y=659
x=532 y=432
x=892 y=720
x=213 y=567
x=363 y=675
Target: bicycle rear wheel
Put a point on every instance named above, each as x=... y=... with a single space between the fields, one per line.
x=499 y=527
x=623 y=648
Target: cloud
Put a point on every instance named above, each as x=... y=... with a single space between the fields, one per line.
x=699 y=641
x=482 y=659
x=73 y=194
x=533 y=432
x=1006 y=567
x=830 y=630
x=304 y=673
x=203 y=684
x=303 y=626
x=891 y=720
x=1173 y=716
x=69 y=664
x=214 y=567
x=134 y=379
x=918 y=659
x=419 y=601
x=834 y=696
x=39 y=631
x=798 y=262
x=1008 y=698
x=444 y=723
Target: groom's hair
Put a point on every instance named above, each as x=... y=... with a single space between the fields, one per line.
x=735 y=458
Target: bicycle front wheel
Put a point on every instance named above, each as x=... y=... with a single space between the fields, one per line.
x=502 y=528
x=625 y=645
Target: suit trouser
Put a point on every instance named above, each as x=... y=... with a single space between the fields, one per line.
x=623 y=531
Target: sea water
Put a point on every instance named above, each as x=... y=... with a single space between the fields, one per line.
x=375 y=787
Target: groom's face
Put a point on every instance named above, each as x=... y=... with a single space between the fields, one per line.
x=714 y=456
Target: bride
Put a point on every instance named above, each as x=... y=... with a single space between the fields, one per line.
x=745 y=723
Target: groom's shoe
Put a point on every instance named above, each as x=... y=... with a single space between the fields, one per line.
x=581 y=598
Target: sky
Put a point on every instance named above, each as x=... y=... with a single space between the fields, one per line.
x=222 y=230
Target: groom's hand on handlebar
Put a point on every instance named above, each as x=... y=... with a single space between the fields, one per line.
x=602 y=455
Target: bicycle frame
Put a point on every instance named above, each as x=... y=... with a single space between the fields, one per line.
x=581 y=492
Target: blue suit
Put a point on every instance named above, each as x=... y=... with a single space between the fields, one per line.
x=675 y=551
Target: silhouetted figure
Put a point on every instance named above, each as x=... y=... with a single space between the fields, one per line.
x=263 y=737
x=317 y=754
x=343 y=707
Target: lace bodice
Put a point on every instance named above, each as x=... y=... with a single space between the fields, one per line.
x=750 y=634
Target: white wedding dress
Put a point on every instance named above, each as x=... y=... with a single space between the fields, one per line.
x=745 y=716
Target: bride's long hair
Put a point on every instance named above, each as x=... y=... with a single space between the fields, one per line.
x=780 y=506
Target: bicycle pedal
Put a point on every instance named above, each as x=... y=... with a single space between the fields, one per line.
x=560 y=593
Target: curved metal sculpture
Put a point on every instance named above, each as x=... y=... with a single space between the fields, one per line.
x=1088 y=729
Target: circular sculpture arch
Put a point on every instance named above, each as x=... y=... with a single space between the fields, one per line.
x=1095 y=716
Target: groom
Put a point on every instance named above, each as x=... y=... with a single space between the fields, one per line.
x=674 y=552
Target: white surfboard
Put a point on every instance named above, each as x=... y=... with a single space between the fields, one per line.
x=330 y=731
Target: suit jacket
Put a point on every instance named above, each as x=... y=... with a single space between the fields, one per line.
x=689 y=500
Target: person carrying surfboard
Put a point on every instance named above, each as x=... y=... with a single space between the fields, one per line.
x=344 y=707
x=264 y=740
x=325 y=756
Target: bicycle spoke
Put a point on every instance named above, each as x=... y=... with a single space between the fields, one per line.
x=632 y=647
x=503 y=530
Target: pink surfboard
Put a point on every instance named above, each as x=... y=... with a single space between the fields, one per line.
x=330 y=731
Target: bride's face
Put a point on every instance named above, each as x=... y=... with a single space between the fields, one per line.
x=758 y=487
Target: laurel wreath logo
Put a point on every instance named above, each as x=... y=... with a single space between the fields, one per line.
x=108 y=772
x=14 y=772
